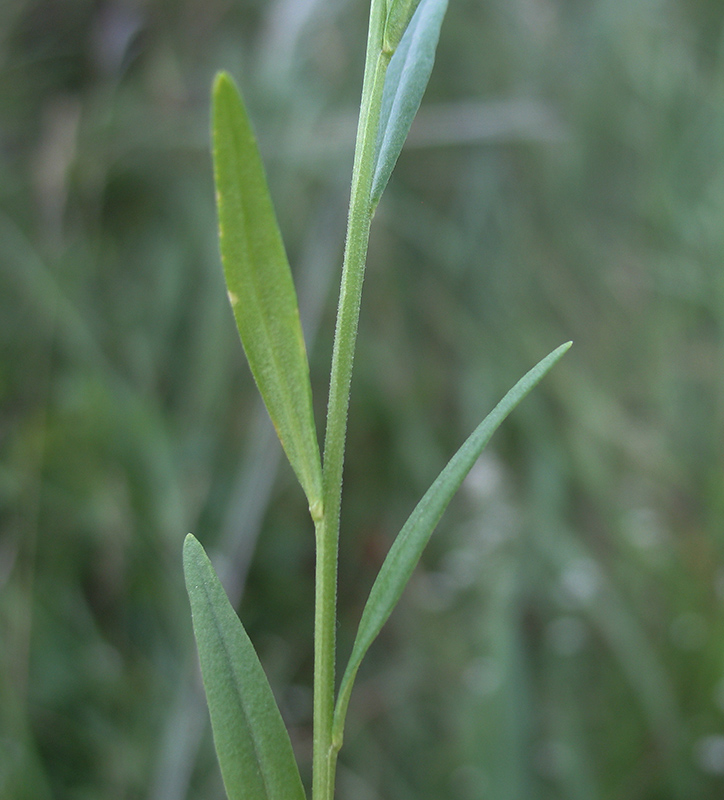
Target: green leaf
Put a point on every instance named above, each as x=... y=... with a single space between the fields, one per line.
x=405 y=83
x=398 y=18
x=410 y=542
x=261 y=289
x=252 y=744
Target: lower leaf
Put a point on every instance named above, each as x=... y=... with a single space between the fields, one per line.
x=252 y=743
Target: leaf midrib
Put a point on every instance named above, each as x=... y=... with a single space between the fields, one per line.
x=229 y=663
x=295 y=432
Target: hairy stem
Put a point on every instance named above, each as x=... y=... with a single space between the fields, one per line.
x=327 y=528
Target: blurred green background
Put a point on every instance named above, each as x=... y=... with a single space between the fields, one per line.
x=563 y=637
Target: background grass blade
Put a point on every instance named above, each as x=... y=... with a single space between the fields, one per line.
x=255 y=754
x=410 y=542
x=405 y=83
x=261 y=289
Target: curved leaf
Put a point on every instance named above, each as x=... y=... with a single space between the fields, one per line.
x=261 y=289
x=405 y=83
x=415 y=534
x=255 y=754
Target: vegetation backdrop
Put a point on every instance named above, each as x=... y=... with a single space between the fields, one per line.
x=564 y=636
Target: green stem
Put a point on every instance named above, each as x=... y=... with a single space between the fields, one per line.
x=327 y=528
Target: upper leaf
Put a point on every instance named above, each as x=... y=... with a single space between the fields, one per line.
x=405 y=82
x=261 y=289
x=415 y=534
x=255 y=754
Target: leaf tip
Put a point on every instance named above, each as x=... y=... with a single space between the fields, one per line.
x=222 y=81
x=192 y=551
x=563 y=349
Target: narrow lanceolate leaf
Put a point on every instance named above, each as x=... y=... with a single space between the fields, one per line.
x=405 y=83
x=410 y=542
x=261 y=289
x=252 y=744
